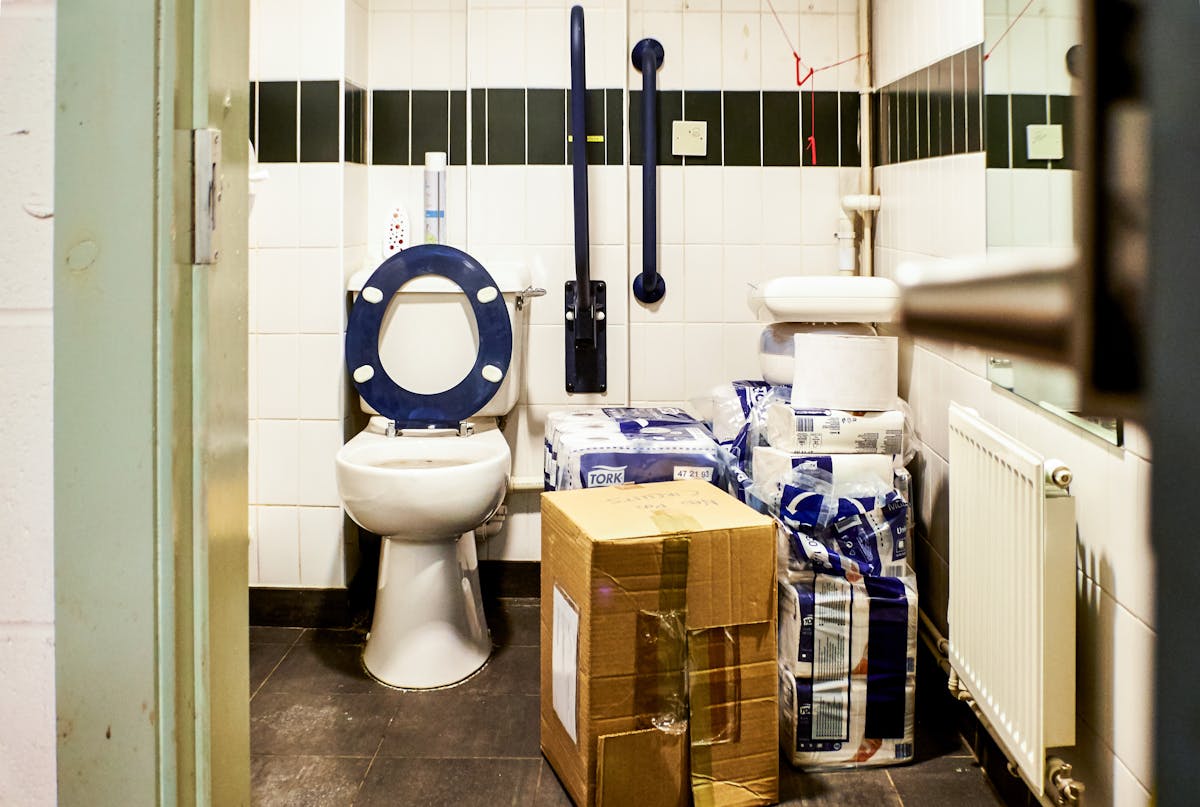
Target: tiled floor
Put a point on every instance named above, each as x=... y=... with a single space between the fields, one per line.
x=323 y=733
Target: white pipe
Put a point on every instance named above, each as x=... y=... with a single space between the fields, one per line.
x=866 y=170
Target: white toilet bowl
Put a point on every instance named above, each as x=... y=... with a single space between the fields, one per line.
x=425 y=495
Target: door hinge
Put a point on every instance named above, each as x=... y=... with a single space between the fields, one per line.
x=206 y=195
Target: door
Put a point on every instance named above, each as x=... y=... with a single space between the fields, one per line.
x=150 y=405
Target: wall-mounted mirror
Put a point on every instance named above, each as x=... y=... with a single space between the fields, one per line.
x=1030 y=81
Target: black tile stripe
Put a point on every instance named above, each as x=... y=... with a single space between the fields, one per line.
x=254 y=114
x=742 y=131
x=547 y=127
x=1026 y=110
x=458 y=127
x=389 y=127
x=506 y=127
x=478 y=114
x=933 y=112
x=670 y=108
x=354 y=117
x=277 y=106
x=430 y=123
x=1062 y=112
x=781 y=128
x=996 y=137
x=320 y=108
x=819 y=127
x=849 y=111
x=614 y=127
x=699 y=105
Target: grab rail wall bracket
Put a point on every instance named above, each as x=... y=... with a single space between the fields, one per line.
x=649 y=286
x=584 y=314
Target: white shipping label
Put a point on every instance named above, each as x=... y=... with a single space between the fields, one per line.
x=832 y=605
x=564 y=664
x=693 y=472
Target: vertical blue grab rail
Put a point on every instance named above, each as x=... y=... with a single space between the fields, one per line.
x=649 y=286
x=584 y=315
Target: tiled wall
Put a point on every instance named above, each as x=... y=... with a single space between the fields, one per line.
x=934 y=209
x=27 y=744
x=466 y=77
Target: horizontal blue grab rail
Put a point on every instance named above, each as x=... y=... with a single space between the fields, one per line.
x=649 y=286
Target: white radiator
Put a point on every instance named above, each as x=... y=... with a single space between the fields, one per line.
x=1012 y=590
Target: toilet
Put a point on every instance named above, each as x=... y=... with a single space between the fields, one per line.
x=435 y=350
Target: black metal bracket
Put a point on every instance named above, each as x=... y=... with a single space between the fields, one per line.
x=586 y=340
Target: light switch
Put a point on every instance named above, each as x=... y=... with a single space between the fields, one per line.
x=689 y=138
x=1044 y=141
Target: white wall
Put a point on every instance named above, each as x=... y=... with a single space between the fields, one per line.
x=935 y=209
x=27 y=744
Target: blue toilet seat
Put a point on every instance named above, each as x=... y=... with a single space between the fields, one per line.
x=414 y=410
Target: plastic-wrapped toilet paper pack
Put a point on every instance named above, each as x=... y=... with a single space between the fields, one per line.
x=731 y=405
x=819 y=613
x=604 y=420
x=847 y=653
x=834 y=431
x=771 y=468
x=590 y=459
x=848 y=536
x=829 y=724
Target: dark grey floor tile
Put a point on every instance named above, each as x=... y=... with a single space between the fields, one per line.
x=550 y=792
x=454 y=723
x=263 y=658
x=325 y=725
x=514 y=623
x=335 y=635
x=450 y=782
x=861 y=788
x=324 y=667
x=946 y=780
x=308 y=781
x=511 y=671
x=260 y=634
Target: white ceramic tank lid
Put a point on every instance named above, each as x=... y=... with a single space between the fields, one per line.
x=829 y=298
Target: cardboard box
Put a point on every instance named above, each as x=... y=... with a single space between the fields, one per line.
x=659 y=682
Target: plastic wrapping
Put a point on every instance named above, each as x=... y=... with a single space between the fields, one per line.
x=597 y=458
x=771 y=468
x=605 y=420
x=836 y=431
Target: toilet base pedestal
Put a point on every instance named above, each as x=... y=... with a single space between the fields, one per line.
x=429 y=629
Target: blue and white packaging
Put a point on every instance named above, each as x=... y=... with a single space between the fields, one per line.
x=834 y=431
x=605 y=420
x=590 y=459
x=847 y=652
x=771 y=467
x=848 y=536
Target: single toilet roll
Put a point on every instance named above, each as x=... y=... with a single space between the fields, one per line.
x=856 y=373
x=835 y=431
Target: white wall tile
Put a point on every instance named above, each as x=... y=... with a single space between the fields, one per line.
x=703 y=343
x=549 y=205
x=702 y=283
x=275 y=215
x=276 y=291
x=701 y=39
x=391 y=43
x=431 y=33
x=319 y=441
x=320 y=205
x=322 y=561
x=322 y=38
x=743 y=192
x=278 y=375
x=27 y=749
x=743 y=267
x=278 y=37
x=278 y=546
x=278 y=467
x=320 y=291
x=741 y=51
x=27 y=478
x=778 y=40
x=505 y=45
x=703 y=221
x=548 y=64
x=520 y=537
x=321 y=374
x=656 y=366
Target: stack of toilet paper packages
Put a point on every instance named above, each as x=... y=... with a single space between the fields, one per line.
x=847 y=670
x=619 y=445
x=847 y=622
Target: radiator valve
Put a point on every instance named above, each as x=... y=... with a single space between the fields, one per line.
x=1062 y=788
